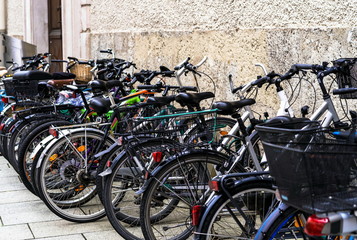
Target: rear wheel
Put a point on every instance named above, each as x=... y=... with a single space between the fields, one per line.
x=165 y=212
x=66 y=176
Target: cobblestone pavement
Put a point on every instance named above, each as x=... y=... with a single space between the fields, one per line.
x=25 y=216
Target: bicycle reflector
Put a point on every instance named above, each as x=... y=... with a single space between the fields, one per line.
x=315 y=225
x=53 y=132
x=196 y=213
x=5 y=100
x=157 y=156
x=214 y=185
x=2 y=126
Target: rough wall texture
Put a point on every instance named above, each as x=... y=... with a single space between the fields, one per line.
x=15 y=18
x=233 y=34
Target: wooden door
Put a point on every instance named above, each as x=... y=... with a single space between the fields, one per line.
x=55 y=33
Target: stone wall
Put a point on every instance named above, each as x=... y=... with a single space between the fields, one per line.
x=233 y=34
x=15 y=18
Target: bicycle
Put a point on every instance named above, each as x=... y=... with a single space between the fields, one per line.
x=323 y=181
x=214 y=212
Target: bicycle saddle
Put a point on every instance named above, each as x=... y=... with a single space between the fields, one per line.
x=101 y=105
x=32 y=75
x=192 y=98
x=161 y=101
x=229 y=108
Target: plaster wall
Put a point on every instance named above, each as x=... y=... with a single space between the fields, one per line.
x=233 y=34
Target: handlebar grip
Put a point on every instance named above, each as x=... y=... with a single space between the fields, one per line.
x=234 y=90
x=149 y=87
x=58 y=60
x=83 y=62
x=189 y=88
x=26 y=58
x=303 y=66
x=190 y=67
x=168 y=73
x=344 y=91
x=259 y=82
x=113 y=83
x=73 y=58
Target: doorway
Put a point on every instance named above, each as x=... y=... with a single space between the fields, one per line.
x=55 y=34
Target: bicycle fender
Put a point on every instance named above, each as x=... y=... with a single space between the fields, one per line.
x=270 y=220
x=109 y=170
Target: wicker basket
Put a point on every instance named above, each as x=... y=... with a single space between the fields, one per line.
x=83 y=74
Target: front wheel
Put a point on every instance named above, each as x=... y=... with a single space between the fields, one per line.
x=222 y=219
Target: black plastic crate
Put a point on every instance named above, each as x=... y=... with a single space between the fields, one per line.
x=21 y=88
x=314 y=171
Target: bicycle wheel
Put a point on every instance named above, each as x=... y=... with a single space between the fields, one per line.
x=121 y=203
x=288 y=225
x=165 y=211
x=18 y=133
x=66 y=176
x=222 y=220
x=5 y=127
x=26 y=148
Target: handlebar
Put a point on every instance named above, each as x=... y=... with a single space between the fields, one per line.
x=109 y=51
x=181 y=65
x=160 y=86
x=185 y=64
x=268 y=78
x=344 y=91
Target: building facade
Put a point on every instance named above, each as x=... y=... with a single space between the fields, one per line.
x=234 y=34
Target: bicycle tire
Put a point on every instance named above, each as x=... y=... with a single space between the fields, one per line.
x=4 y=134
x=22 y=128
x=36 y=134
x=284 y=226
x=68 y=196
x=123 y=207
x=217 y=220
x=160 y=190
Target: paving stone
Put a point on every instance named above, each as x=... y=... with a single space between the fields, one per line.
x=6 y=170
x=60 y=227
x=10 y=183
x=107 y=235
x=17 y=197
x=15 y=232
x=16 y=213
x=67 y=237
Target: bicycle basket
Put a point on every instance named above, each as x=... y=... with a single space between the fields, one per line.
x=21 y=88
x=347 y=76
x=314 y=171
x=82 y=72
